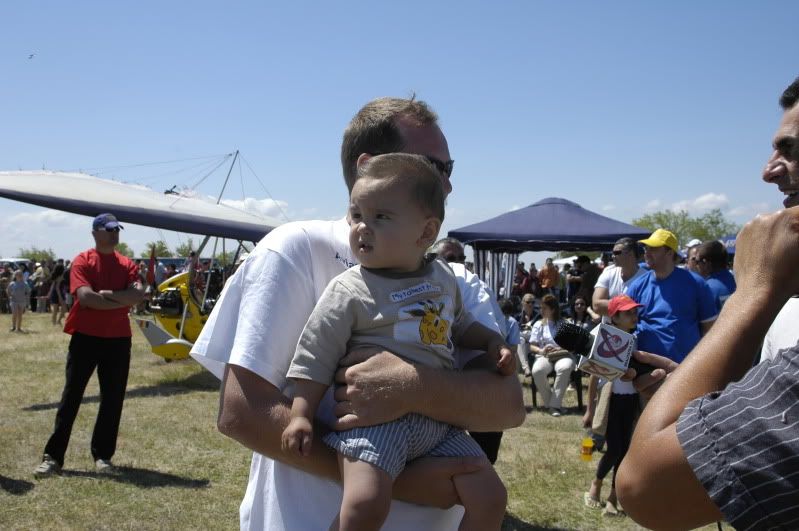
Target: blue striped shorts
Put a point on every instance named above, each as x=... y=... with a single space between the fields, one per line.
x=391 y=445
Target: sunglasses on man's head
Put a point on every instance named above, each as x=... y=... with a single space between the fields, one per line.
x=445 y=168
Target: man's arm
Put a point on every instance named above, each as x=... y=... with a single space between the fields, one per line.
x=254 y=412
x=381 y=387
x=103 y=300
x=600 y=300
x=655 y=468
x=131 y=296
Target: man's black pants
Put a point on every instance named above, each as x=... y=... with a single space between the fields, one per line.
x=489 y=442
x=111 y=357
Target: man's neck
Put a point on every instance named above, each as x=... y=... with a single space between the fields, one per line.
x=104 y=249
x=664 y=272
x=627 y=271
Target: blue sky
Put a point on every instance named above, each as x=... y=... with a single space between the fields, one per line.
x=623 y=107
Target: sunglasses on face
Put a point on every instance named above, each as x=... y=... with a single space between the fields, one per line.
x=454 y=258
x=445 y=168
x=699 y=260
x=115 y=229
x=618 y=253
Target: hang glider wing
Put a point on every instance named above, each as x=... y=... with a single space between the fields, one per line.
x=87 y=195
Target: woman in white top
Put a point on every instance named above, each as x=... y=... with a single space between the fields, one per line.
x=549 y=356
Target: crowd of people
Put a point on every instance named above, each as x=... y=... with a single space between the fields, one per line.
x=336 y=301
x=42 y=288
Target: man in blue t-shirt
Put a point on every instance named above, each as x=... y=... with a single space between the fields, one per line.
x=677 y=305
x=711 y=259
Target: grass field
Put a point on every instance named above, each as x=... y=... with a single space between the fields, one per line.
x=178 y=472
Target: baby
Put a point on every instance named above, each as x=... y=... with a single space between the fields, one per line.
x=400 y=302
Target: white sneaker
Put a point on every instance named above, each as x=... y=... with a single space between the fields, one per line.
x=104 y=466
x=48 y=467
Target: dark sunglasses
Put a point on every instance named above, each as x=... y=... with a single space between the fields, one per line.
x=617 y=253
x=454 y=258
x=115 y=229
x=699 y=260
x=445 y=168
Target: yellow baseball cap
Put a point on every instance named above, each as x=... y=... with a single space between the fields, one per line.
x=661 y=237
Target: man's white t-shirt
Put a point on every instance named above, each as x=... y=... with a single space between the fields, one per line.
x=783 y=332
x=611 y=280
x=256 y=324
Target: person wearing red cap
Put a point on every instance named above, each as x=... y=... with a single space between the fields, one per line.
x=622 y=412
x=104 y=284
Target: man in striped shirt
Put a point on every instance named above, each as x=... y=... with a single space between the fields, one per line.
x=717 y=442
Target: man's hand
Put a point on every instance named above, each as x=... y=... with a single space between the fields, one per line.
x=647 y=384
x=428 y=480
x=372 y=388
x=766 y=254
x=588 y=418
x=549 y=348
x=298 y=436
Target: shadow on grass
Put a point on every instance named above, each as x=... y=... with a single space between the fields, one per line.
x=512 y=523
x=15 y=486
x=202 y=381
x=141 y=477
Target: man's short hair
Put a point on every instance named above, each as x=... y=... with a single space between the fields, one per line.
x=506 y=306
x=582 y=259
x=374 y=130
x=715 y=253
x=790 y=95
x=437 y=247
x=415 y=172
x=629 y=244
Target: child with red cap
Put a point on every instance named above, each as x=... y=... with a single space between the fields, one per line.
x=622 y=410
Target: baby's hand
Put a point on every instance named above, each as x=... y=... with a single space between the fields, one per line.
x=297 y=437
x=506 y=361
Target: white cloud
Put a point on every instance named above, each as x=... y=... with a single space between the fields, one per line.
x=259 y=207
x=514 y=207
x=608 y=208
x=47 y=218
x=701 y=204
x=749 y=211
x=652 y=205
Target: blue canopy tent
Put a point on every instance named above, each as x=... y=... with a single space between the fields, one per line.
x=729 y=242
x=551 y=224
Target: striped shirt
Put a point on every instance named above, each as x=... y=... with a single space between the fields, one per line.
x=743 y=445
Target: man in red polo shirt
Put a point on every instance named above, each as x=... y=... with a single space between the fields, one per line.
x=104 y=285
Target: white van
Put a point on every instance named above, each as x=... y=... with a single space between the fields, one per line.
x=15 y=263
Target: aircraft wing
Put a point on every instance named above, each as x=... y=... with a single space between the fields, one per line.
x=84 y=194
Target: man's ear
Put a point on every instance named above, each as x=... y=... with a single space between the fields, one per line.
x=430 y=232
x=362 y=158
